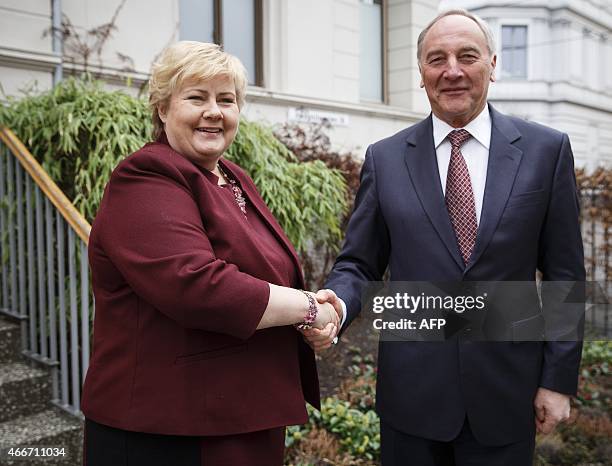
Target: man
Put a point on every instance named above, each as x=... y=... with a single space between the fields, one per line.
x=465 y=195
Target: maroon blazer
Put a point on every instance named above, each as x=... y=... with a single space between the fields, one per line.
x=180 y=286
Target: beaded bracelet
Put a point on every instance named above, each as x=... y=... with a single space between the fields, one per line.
x=311 y=315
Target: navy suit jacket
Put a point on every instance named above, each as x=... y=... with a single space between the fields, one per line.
x=529 y=222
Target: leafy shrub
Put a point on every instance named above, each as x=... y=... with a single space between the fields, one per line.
x=311 y=143
x=359 y=431
x=307 y=198
x=583 y=441
x=596 y=360
x=349 y=417
x=79 y=132
x=597 y=352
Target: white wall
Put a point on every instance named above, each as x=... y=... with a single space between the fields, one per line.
x=143 y=28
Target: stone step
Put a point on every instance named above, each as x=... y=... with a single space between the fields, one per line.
x=10 y=337
x=49 y=428
x=24 y=390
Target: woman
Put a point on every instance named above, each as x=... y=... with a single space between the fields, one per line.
x=196 y=358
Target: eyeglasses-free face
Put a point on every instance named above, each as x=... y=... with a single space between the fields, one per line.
x=201 y=119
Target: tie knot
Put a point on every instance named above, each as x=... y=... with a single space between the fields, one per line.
x=458 y=137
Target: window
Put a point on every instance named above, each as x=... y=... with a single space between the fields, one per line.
x=235 y=24
x=514 y=52
x=371 y=50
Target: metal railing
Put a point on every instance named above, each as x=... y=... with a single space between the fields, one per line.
x=44 y=270
x=597 y=236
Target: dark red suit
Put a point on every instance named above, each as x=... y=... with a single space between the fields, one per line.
x=181 y=283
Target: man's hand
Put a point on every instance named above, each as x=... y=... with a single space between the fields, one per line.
x=328 y=296
x=551 y=408
x=321 y=339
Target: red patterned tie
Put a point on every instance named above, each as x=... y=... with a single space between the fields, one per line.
x=460 y=197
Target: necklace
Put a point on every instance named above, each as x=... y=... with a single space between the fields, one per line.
x=238 y=197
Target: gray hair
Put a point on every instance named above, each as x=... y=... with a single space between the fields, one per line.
x=484 y=27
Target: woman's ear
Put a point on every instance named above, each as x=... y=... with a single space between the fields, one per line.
x=162 y=113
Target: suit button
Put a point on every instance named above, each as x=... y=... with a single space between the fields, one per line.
x=467 y=330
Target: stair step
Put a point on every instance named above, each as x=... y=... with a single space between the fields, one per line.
x=49 y=428
x=10 y=336
x=24 y=390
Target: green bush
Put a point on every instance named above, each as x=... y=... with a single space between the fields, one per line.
x=79 y=132
x=597 y=352
x=307 y=199
x=596 y=361
x=349 y=415
x=359 y=431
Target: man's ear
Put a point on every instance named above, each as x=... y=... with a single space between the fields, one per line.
x=493 y=65
x=421 y=84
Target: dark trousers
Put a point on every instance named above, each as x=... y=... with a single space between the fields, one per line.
x=107 y=446
x=400 y=449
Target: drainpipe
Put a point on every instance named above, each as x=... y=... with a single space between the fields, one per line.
x=58 y=43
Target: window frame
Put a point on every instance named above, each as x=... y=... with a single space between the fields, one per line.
x=384 y=4
x=258 y=39
x=504 y=75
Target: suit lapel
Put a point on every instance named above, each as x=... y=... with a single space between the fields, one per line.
x=266 y=215
x=423 y=168
x=504 y=161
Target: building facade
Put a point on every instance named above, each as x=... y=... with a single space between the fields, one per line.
x=350 y=61
x=555 y=67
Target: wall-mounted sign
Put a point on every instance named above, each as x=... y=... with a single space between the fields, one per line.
x=311 y=115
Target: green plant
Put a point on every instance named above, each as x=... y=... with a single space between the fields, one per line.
x=349 y=417
x=595 y=368
x=597 y=352
x=308 y=199
x=311 y=143
x=358 y=431
x=79 y=132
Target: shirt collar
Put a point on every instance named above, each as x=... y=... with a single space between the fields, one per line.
x=479 y=128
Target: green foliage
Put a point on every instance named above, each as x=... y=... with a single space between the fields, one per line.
x=79 y=132
x=358 y=430
x=586 y=441
x=307 y=199
x=349 y=415
x=596 y=361
x=597 y=352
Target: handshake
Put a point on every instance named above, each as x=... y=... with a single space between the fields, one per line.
x=326 y=326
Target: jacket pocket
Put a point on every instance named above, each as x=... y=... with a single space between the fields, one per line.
x=210 y=354
x=527 y=198
x=530 y=329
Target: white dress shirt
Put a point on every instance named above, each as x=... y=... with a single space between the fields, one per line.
x=475 y=151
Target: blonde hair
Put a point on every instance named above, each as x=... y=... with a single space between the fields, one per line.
x=484 y=27
x=187 y=60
